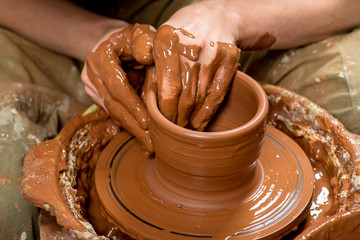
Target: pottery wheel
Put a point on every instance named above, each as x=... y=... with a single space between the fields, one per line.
x=279 y=204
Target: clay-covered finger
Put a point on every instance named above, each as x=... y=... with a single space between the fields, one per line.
x=205 y=76
x=219 y=87
x=189 y=76
x=122 y=117
x=120 y=44
x=108 y=66
x=142 y=43
x=149 y=80
x=90 y=89
x=119 y=113
x=94 y=95
x=169 y=86
x=95 y=80
x=167 y=71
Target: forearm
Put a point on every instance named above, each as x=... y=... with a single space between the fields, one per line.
x=291 y=23
x=59 y=25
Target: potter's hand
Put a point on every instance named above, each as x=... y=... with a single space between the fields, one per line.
x=114 y=89
x=195 y=59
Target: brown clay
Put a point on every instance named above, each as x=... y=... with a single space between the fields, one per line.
x=49 y=173
x=333 y=153
x=189 y=93
x=264 y=42
x=200 y=179
x=167 y=54
x=117 y=88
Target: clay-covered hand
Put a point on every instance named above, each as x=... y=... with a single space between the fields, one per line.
x=113 y=73
x=195 y=57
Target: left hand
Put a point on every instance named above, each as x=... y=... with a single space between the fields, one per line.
x=112 y=77
x=196 y=58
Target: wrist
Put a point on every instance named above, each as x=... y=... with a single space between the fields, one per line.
x=236 y=18
x=109 y=27
x=99 y=31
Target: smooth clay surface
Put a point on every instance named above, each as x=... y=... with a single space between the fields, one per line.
x=200 y=179
x=58 y=174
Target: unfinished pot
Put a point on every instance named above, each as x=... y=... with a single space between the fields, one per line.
x=200 y=179
x=81 y=142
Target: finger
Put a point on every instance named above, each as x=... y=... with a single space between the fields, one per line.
x=116 y=110
x=206 y=74
x=189 y=75
x=149 y=80
x=89 y=87
x=142 y=43
x=97 y=84
x=167 y=71
x=211 y=56
x=120 y=43
x=94 y=95
x=169 y=86
x=191 y=52
x=108 y=66
x=122 y=117
x=223 y=76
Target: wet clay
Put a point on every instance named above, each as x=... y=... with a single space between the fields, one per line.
x=264 y=42
x=50 y=168
x=214 y=83
x=333 y=153
x=132 y=45
x=175 y=77
x=200 y=179
x=181 y=96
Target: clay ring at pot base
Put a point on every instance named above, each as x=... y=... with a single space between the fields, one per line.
x=90 y=131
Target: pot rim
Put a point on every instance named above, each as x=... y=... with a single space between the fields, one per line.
x=257 y=120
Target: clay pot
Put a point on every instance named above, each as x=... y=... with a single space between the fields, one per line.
x=214 y=169
x=315 y=130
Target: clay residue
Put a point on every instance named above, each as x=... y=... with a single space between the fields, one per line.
x=189 y=93
x=264 y=42
x=214 y=83
x=333 y=151
x=175 y=78
x=116 y=69
x=50 y=168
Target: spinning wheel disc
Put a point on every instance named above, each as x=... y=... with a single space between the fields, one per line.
x=279 y=204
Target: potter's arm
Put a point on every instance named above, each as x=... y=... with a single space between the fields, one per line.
x=291 y=23
x=59 y=25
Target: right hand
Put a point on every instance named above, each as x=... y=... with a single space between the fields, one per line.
x=196 y=58
x=115 y=90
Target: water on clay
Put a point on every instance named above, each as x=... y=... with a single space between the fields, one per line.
x=200 y=190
